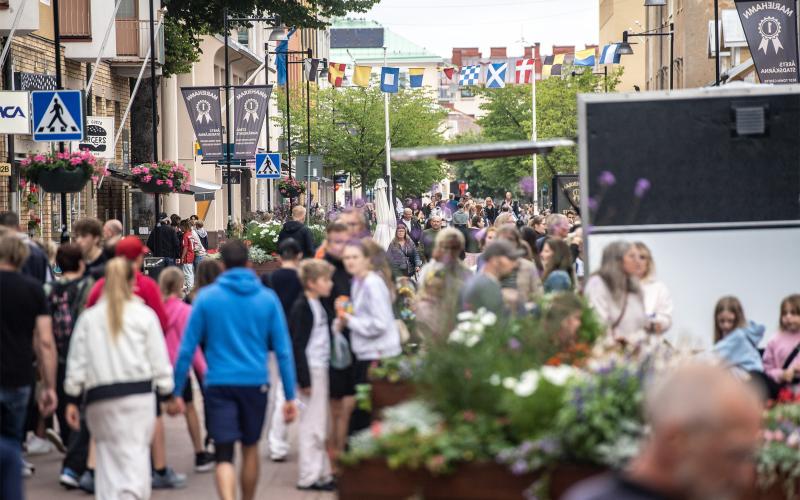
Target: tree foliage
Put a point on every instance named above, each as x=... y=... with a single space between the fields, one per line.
x=347 y=127
x=188 y=20
x=508 y=117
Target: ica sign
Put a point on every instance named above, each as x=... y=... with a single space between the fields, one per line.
x=14 y=113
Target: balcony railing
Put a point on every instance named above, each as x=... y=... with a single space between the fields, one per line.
x=75 y=19
x=133 y=39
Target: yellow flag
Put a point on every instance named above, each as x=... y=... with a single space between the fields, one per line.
x=559 y=59
x=546 y=70
x=361 y=75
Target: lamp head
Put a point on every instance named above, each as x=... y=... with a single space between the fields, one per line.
x=624 y=48
x=278 y=34
x=655 y=3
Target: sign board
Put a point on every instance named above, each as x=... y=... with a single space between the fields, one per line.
x=99 y=139
x=302 y=166
x=5 y=170
x=58 y=115
x=268 y=166
x=15 y=117
x=235 y=178
x=250 y=110
x=771 y=30
x=340 y=178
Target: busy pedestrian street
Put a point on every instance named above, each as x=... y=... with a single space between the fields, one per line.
x=400 y=249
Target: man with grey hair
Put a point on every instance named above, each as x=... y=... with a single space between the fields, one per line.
x=704 y=434
x=557 y=229
x=112 y=233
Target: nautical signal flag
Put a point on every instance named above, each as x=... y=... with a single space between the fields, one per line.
x=547 y=66
x=336 y=73
x=470 y=75
x=415 y=76
x=525 y=68
x=496 y=75
x=609 y=54
x=311 y=67
x=585 y=57
x=448 y=72
x=361 y=75
x=390 y=79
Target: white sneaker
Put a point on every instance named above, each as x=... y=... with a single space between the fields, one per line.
x=38 y=446
x=27 y=469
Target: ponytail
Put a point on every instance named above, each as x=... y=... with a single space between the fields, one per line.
x=117 y=291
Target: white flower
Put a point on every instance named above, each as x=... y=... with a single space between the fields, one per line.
x=527 y=384
x=509 y=383
x=495 y=379
x=488 y=319
x=456 y=336
x=465 y=315
x=557 y=375
x=472 y=340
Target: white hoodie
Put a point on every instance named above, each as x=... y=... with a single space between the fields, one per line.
x=119 y=365
x=373 y=331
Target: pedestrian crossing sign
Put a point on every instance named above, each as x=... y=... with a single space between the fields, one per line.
x=57 y=115
x=268 y=166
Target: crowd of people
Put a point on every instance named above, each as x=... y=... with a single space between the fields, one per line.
x=105 y=337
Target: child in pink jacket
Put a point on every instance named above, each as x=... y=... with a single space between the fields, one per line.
x=171 y=282
x=783 y=343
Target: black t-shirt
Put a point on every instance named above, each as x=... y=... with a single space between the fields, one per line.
x=612 y=487
x=96 y=269
x=286 y=284
x=22 y=300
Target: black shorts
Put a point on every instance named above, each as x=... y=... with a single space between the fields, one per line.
x=342 y=382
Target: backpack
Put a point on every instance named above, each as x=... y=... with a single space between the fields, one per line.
x=65 y=300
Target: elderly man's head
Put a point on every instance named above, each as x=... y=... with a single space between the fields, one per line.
x=705 y=432
x=557 y=225
x=436 y=222
x=112 y=231
x=407 y=213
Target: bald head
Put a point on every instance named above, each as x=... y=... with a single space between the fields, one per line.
x=705 y=431
x=112 y=228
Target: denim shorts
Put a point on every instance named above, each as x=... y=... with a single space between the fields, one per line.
x=13 y=410
x=236 y=413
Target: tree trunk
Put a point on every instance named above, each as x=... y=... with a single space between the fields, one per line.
x=142 y=122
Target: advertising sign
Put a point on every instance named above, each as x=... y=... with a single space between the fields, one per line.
x=203 y=105
x=771 y=30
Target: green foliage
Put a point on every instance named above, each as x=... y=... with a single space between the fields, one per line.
x=508 y=117
x=778 y=457
x=347 y=127
x=264 y=235
x=188 y=20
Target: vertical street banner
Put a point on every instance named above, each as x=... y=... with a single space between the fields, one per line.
x=771 y=30
x=205 y=113
x=249 y=111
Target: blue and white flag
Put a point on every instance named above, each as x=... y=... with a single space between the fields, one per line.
x=280 y=57
x=470 y=75
x=496 y=75
x=609 y=54
x=390 y=79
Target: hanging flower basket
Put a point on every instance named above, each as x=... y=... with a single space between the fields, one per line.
x=290 y=188
x=62 y=172
x=161 y=177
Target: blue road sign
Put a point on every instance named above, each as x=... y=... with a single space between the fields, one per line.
x=57 y=115
x=268 y=166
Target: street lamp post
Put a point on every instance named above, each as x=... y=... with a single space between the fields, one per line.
x=626 y=49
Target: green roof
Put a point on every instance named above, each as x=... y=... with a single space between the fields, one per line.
x=399 y=49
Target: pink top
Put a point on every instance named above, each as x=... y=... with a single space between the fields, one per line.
x=177 y=316
x=778 y=349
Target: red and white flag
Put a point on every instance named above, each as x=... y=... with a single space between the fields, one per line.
x=525 y=68
x=448 y=72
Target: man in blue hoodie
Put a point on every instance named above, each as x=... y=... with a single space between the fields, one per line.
x=237 y=319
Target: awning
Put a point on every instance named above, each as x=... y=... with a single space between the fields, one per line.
x=203 y=190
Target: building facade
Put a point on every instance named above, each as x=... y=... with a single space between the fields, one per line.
x=617 y=16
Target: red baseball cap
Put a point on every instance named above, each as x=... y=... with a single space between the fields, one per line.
x=130 y=247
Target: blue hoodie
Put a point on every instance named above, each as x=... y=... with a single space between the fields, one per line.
x=739 y=348
x=238 y=319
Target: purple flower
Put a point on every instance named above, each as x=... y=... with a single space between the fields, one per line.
x=525 y=448
x=593 y=204
x=514 y=344
x=519 y=467
x=527 y=184
x=606 y=179
x=642 y=187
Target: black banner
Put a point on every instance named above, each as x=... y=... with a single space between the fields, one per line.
x=203 y=105
x=566 y=194
x=771 y=30
x=250 y=109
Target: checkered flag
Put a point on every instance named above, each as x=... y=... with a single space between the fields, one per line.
x=470 y=75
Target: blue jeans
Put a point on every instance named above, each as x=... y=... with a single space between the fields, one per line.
x=13 y=410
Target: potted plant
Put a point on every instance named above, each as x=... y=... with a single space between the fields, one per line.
x=161 y=177
x=62 y=172
x=290 y=188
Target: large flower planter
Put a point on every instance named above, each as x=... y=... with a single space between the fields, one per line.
x=565 y=476
x=374 y=480
x=478 y=481
x=385 y=394
x=266 y=267
x=153 y=188
x=62 y=181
